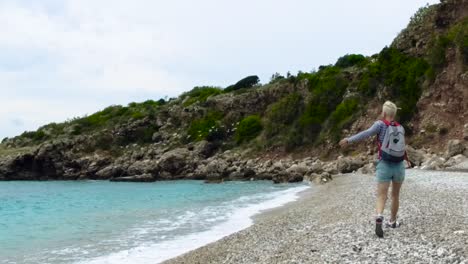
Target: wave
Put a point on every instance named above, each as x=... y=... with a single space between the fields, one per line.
x=238 y=217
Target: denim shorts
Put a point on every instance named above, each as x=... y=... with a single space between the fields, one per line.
x=390 y=171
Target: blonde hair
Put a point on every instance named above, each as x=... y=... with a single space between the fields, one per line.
x=389 y=109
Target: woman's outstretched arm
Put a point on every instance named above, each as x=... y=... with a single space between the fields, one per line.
x=373 y=130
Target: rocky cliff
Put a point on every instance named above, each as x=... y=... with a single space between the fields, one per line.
x=285 y=130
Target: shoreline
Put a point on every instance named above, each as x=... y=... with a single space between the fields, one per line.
x=240 y=219
x=301 y=196
x=316 y=227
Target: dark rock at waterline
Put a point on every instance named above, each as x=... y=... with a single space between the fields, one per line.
x=215 y=178
x=135 y=178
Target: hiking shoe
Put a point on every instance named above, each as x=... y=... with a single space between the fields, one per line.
x=394 y=224
x=378 y=226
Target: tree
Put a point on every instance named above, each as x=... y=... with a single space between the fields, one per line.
x=247 y=82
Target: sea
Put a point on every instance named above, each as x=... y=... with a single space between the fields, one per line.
x=110 y=222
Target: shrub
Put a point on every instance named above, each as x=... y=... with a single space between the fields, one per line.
x=102 y=141
x=350 y=60
x=207 y=127
x=327 y=87
x=247 y=82
x=459 y=34
x=305 y=75
x=283 y=113
x=431 y=128
x=249 y=128
x=137 y=115
x=276 y=77
x=342 y=116
x=402 y=76
x=161 y=101
x=38 y=135
x=200 y=94
x=437 y=52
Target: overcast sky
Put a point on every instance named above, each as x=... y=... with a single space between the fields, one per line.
x=65 y=58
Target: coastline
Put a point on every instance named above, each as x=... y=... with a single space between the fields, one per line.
x=333 y=223
x=241 y=218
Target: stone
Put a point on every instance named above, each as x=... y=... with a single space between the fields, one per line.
x=216 y=166
x=278 y=165
x=135 y=178
x=298 y=169
x=156 y=137
x=110 y=171
x=416 y=157
x=330 y=167
x=454 y=147
x=317 y=167
x=346 y=165
x=295 y=177
x=143 y=167
x=174 y=161
x=455 y=160
x=324 y=177
x=214 y=179
x=434 y=163
x=205 y=149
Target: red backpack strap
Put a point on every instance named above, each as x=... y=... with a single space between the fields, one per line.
x=388 y=123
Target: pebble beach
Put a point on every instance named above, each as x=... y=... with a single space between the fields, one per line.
x=334 y=223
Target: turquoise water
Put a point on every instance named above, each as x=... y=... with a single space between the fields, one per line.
x=105 y=222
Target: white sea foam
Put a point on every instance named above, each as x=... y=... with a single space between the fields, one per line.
x=239 y=217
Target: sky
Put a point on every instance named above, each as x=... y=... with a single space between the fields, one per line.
x=61 y=59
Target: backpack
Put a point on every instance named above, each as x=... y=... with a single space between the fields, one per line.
x=393 y=147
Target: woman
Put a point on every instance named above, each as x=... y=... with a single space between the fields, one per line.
x=389 y=169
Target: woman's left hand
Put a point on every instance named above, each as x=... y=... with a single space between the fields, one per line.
x=344 y=142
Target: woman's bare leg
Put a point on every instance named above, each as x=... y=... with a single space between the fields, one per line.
x=382 y=190
x=396 y=186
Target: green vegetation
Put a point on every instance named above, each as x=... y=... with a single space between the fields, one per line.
x=401 y=74
x=208 y=127
x=350 y=60
x=431 y=128
x=106 y=118
x=276 y=78
x=115 y=114
x=282 y=114
x=247 y=82
x=327 y=87
x=438 y=50
x=248 y=129
x=14 y=151
x=457 y=37
x=34 y=135
x=342 y=116
x=200 y=94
